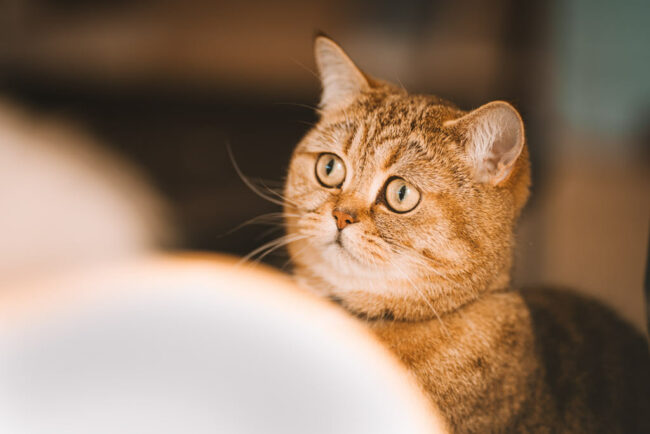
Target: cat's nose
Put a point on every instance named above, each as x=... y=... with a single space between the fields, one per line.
x=344 y=218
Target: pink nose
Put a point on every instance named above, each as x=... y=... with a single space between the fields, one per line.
x=343 y=218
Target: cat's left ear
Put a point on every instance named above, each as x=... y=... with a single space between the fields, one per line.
x=493 y=137
x=340 y=77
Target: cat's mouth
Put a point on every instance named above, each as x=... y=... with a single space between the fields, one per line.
x=338 y=243
x=341 y=248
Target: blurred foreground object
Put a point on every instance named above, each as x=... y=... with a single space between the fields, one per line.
x=176 y=345
x=67 y=201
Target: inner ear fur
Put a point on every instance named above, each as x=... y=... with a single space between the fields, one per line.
x=493 y=138
x=340 y=78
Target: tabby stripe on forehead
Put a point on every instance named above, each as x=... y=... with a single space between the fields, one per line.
x=358 y=138
x=351 y=138
x=388 y=137
x=394 y=156
x=399 y=151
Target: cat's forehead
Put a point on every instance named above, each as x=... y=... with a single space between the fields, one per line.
x=399 y=110
x=389 y=129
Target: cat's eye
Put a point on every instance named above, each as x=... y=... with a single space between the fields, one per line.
x=330 y=170
x=401 y=196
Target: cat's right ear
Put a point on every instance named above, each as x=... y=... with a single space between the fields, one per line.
x=493 y=138
x=340 y=78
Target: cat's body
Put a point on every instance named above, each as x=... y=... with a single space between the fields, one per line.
x=402 y=208
x=535 y=361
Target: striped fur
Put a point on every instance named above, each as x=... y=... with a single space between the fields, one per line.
x=433 y=283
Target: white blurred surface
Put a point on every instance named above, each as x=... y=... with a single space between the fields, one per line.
x=188 y=345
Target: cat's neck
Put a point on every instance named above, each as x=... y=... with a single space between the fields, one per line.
x=396 y=298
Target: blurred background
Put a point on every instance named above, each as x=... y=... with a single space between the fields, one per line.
x=154 y=91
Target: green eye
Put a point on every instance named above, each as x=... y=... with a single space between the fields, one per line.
x=401 y=196
x=330 y=170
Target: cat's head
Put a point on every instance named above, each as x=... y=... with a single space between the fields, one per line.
x=403 y=205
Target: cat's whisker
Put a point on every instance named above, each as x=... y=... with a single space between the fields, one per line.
x=306 y=68
x=285 y=200
x=272 y=245
x=426 y=262
x=425 y=299
x=435 y=312
x=347 y=117
x=297 y=254
x=278 y=246
x=309 y=124
x=280 y=196
x=264 y=219
x=275 y=227
x=250 y=183
x=400 y=82
x=297 y=104
x=272 y=183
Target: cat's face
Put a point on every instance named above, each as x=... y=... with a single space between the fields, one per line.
x=386 y=204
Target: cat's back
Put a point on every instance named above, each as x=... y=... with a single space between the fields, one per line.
x=595 y=367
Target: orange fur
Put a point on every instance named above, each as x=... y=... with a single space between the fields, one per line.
x=433 y=282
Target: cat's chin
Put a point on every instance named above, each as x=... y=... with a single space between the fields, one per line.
x=340 y=263
x=340 y=250
x=340 y=260
x=342 y=255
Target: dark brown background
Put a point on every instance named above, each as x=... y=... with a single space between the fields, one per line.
x=169 y=83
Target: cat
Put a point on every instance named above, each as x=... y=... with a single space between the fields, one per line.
x=401 y=208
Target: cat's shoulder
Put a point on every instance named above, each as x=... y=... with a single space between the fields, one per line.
x=553 y=309
x=587 y=351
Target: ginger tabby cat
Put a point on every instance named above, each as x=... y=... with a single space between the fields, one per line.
x=401 y=208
